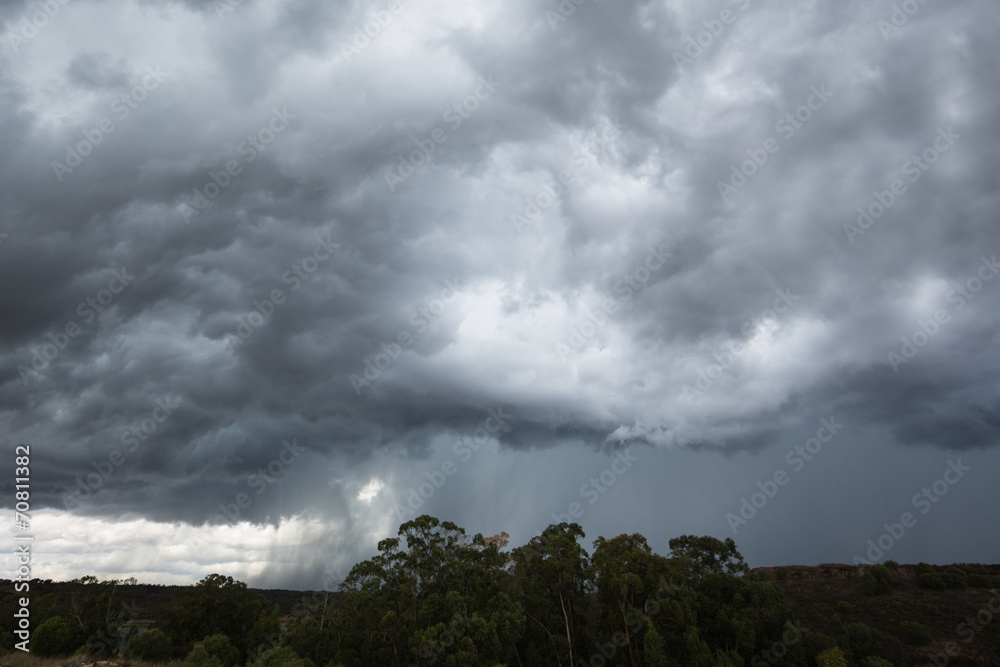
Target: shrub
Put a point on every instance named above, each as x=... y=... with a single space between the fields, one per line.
x=923 y=568
x=844 y=607
x=833 y=657
x=876 y=581
x=931 y=581
x=151 y=646
x=892 y=565
x=50 y=637
x=954 y=578
x=875 y=661
x=836 y=626
x=861 y=639
x=814 y=643
x=282 y=657
x=781 y=573
x=977 y=580
x=200 y=657
x=220 y=647
x=978 y=568
x=914 y=634
x=933 y=609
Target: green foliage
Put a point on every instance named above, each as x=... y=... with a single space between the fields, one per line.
x=833 y=657
x=654 y=648
x=50 y=637
x=892 y=565
x=931 y=581
x=215 y=605
x=844 y=607
x=282 y=656
x=199 y=657
x=220 y=648
x=914 y=634
x=837 y=627
x=876 y=581
x=814 y=643
x=977 y=580
x=875 y=661
x=782 y=573
x=708 y=554
x=954 y=578
x=923 y=568
x=150 y=646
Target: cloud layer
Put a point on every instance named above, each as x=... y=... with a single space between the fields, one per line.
x=361 y=226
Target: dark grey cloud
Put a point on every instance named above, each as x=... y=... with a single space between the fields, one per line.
x=362 y=226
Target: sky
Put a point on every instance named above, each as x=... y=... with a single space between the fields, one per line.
x=277 y=276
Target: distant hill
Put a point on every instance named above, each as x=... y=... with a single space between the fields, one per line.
x=816 y=591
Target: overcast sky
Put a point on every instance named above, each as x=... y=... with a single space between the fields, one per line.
x=277 y=276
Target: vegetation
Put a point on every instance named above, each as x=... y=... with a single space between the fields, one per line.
x=151 y=646
x=434 y=595
x=876 y=581
x=914 y=633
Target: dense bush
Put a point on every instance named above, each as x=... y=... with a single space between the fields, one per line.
x=151 y=646
x=892 y=565
x=833 y=657
x=914 y=634
x=876 y=581
x=875 y=661
x=923 y=568
x=219 y=646
x=844 y=607
x=954 y=578
x=977 y=580
x=282 y=657
x=782 y=573
x=814 y=643
x=199 y=657
x=931 y=581
x=50 y=638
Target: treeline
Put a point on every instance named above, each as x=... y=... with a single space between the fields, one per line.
x=434 y=595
